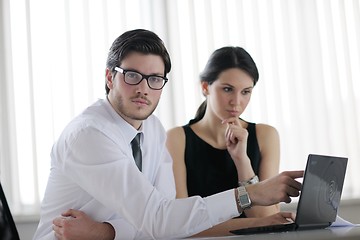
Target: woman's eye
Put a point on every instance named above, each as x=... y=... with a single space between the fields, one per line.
x=227 y=89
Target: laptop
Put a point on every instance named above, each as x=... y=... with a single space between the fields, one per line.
x=8 y=229
x=319 y=199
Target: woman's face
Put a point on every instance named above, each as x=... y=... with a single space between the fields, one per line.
x=229 y=95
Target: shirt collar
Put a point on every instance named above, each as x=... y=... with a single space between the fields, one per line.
x=127 y=129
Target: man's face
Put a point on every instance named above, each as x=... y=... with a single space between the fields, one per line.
x=135 y=103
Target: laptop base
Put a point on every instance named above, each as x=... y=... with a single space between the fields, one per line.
x=265 y=229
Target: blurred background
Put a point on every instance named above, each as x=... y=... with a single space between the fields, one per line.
x=52 y=65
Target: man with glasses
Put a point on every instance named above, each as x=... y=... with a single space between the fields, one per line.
x=93 y=167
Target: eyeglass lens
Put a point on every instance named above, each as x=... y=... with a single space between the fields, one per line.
x=134 y=78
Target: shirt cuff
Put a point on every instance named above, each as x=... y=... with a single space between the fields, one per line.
x=219 y=213
x=122 y=232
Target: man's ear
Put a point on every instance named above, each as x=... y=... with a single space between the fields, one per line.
x=109 y=78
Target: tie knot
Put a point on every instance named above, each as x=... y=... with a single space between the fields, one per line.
x=136 y=140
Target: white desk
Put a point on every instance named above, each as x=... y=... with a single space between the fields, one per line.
x=346 y=233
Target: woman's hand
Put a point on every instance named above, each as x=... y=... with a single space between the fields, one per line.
x=236 y=142
x=277 y=218
x=236 y=139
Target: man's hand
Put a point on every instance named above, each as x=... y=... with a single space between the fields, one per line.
x=76 y=225
x=276 y=189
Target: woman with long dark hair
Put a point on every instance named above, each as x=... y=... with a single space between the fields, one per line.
x=218 y=150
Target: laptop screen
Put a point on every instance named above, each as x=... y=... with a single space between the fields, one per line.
x=319 y=199
x=8 y=229
x=321 y=190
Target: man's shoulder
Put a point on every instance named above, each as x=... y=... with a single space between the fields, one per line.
x=153 y=122
x=93 y=117
x=154 y=128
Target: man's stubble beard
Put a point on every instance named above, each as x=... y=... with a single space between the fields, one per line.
x=128 y=114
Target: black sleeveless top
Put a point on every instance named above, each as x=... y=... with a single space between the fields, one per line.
x=210 y=170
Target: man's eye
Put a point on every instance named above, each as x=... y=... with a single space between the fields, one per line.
x=132 y=75
x=155 y=79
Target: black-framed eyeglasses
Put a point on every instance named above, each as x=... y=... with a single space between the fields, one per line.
x=132 y=77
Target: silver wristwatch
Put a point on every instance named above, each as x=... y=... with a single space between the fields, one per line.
x=243 y=198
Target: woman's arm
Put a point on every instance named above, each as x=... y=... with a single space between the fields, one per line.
x=176 y=146
x=223 y=229
x=269 y=144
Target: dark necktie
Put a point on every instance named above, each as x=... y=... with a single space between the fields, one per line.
x=135 y=145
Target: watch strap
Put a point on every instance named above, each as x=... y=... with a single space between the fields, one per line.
x=243 y=198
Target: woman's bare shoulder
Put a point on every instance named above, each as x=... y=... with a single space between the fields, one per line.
x=265 y=129
x=175 y=137
x=175 y=131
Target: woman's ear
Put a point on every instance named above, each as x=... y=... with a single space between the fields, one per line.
x=204 y=88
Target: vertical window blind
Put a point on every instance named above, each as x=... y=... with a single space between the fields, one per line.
x=53 y=57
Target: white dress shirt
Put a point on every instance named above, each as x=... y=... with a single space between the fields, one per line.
x=93 y=170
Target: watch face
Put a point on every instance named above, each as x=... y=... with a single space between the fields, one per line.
x=244 y=199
